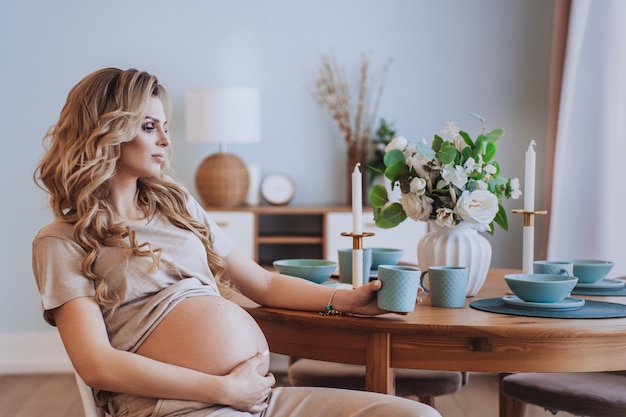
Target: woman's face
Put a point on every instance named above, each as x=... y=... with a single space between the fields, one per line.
x=145 y=155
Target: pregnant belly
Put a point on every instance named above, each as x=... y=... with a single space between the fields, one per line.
x=209 y=334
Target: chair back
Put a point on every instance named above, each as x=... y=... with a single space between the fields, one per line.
x=86 y=396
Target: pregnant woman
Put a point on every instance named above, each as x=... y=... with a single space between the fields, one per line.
x=136 y=276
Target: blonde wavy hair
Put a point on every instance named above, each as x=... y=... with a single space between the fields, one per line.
x=103 y=111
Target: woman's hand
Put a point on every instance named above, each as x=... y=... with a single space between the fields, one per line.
x=363 y=299
x=246 y=390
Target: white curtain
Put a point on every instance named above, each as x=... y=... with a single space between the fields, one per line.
x=588 y=207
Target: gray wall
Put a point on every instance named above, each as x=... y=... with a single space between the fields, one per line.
x=450 y=58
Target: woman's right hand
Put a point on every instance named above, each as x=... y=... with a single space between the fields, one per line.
x=246 y=390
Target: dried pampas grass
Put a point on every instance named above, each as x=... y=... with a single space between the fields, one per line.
x=355 y=121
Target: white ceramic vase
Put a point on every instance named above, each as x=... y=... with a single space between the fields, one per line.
x=460 y=245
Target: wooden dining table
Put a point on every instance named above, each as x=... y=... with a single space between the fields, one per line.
x=456 y=339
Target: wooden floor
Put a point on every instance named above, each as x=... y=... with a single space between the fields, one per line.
x=56 y=395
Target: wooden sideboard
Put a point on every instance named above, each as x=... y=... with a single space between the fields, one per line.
x=268 y=233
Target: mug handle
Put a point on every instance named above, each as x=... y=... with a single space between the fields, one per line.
x=422 y=276
x=563 y=272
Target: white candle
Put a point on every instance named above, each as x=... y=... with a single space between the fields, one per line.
x=529 y=206
x=529 y=179
x=357 y=201
x=528 y=250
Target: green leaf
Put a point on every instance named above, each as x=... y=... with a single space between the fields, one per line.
x=466 y=138
x=497 y=165
x=494 y=135
x=501 y=218
x=447 y=153
x=375 y=169
x=479 y=146
x=437 y=143
x=394 y=155
x=479 y=117
x=396 y=171
x=378 y=196
x=467 y=152
x=490 y=152
x=377 y=213
x=496 y=183
x=425 y=150
x=390 y=217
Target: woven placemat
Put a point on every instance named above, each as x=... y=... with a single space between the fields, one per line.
x=591 y=310
x=619 y=292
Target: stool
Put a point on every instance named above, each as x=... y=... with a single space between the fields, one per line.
x=426 y=385
x=593 y=394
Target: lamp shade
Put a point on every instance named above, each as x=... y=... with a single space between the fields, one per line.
x=223 y=115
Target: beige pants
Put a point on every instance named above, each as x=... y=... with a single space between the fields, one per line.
x=284 y=402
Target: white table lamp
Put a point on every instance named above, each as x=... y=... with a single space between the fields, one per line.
x=223 y=116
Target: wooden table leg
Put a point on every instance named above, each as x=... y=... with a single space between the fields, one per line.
x=379 y=376
x=508 y=406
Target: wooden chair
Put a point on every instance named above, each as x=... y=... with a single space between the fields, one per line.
x=592 y=394
x=425 y=385
x=86 y=396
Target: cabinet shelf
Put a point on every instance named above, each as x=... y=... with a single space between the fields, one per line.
x=294 y=240
x=268 y=233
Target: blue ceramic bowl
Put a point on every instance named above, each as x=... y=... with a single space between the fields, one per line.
x=385 y=256
x=541 y=288
x=316 y=270
x=590 y=271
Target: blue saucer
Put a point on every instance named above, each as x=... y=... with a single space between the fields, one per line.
x=603 y=284
x=568 y=303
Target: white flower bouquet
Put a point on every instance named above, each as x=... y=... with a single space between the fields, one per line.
x=454 y=179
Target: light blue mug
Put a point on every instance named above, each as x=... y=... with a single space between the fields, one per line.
x=447 y=285
x=345 y=265
x=399 y=290
x=553 y=267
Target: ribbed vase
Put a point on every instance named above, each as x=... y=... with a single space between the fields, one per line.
x=460 y=245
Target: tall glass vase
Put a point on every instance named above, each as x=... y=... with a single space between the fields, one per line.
x=460 y=245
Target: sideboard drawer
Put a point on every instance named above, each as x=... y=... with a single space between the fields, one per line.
x=239 y=226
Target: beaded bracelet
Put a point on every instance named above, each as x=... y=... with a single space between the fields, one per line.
x=329 y=310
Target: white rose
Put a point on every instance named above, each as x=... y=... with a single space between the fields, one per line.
x=455 y=175
x=445 y=217
x=469 y=165
x=399 y=142
x=418 y=185
x=416 y=207
x=417 y=161
x=515 y=191
x=478 y=207
x=490 y=169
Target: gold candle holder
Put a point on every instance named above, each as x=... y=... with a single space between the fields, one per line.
x=529 y=238
x=529 y=216
x=357 y=239
x=357 y=256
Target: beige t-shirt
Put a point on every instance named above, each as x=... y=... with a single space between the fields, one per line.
x=145 y=297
